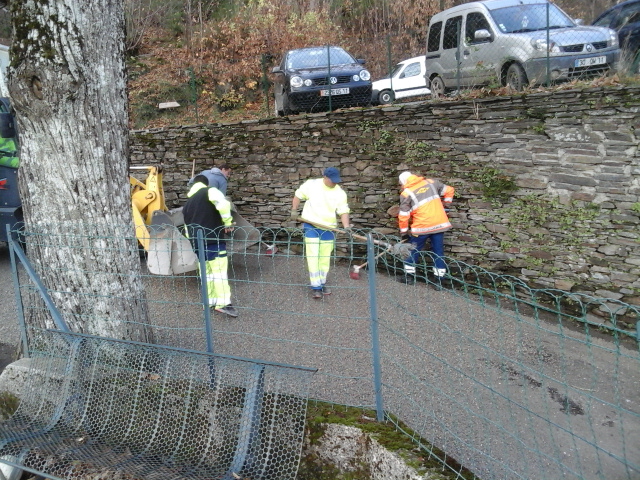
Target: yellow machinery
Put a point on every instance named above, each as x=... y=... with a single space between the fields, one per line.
x=146 y=198
x=168 y=251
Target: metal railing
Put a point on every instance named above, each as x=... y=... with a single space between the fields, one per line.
x=98 y=406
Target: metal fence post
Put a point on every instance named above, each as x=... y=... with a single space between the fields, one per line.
x=375 y=338
x=16 y=250
x=389 y=65
x=329 y=75
x=194 y=91
x=16 y=289
x=204 y=292
x=458 y=57
x=265 y=81
x=548 y=40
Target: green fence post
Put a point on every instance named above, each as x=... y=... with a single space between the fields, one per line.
x=548 y=40
x=458 y=58
x=265 y=81
x=194 y=93
x=389 y=65
x=329 y=75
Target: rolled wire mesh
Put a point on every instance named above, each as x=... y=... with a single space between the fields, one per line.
x=97 y=406
x=510 y=381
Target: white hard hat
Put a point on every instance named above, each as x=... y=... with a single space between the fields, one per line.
x=404 y=176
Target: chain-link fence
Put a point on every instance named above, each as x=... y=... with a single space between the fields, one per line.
x=94 y=407
x=509 y=381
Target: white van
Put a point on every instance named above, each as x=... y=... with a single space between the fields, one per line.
x=507 y=42
x=407 y=80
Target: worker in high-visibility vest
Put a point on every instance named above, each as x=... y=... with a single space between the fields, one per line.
x=208 y=210
x=8 y=153
x=422 y=217
x=324 y=201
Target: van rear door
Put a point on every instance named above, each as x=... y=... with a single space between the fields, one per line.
x=450 y=49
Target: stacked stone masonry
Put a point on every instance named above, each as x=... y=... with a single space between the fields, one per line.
x=547 y=184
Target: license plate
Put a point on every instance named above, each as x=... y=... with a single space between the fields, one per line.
x=334 y=91
x=587 y=62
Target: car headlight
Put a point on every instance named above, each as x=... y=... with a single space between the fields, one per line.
x=613 y=38
x=308 y=82
x=541 y=44
x=364 y=75
x=296 y=81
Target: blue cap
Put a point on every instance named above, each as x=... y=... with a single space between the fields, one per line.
x=332 y=174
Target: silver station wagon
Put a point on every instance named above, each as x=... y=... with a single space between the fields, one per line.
x=516 y=43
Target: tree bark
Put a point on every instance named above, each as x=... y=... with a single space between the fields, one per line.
x=68 y=86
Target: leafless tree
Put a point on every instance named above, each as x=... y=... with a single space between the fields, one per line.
x=139 y=16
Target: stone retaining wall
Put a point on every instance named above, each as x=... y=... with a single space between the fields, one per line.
x=547 y=184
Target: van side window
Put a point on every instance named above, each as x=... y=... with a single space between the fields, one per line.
x=411 y=70
x=476 y=21
x=433 y=43
x=451 y=29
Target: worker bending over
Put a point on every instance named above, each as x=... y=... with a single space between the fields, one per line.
x=422 y=216
x=324 y=199
x=208 y=210
x=218 y=177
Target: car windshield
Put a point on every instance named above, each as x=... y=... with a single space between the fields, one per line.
x=318 y=57
x=529 y=18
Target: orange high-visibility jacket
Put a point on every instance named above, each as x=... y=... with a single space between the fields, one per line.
x=421 y=205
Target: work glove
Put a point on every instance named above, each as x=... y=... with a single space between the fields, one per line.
x=405 y=237
x=294 y=215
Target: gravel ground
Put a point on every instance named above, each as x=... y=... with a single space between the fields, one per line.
x=507 y=395
x=9 y=332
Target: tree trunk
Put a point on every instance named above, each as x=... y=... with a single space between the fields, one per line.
x=68 y=86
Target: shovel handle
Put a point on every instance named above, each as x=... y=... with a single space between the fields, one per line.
x=387 y=250
x=334 y=229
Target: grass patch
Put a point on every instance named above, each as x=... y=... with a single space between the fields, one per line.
x=8 y=404
x=393 y=435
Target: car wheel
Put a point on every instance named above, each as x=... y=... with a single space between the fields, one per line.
x=437 y=87
x=386 y=97
x=516 y=78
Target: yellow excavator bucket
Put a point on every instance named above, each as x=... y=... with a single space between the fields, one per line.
x=168 y=251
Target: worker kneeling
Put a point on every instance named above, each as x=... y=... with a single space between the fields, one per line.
x=208 y=210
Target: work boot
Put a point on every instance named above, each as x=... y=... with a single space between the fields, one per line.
x=227 y=310
x=408 y=279
x=326 y=290
x=316 y=294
